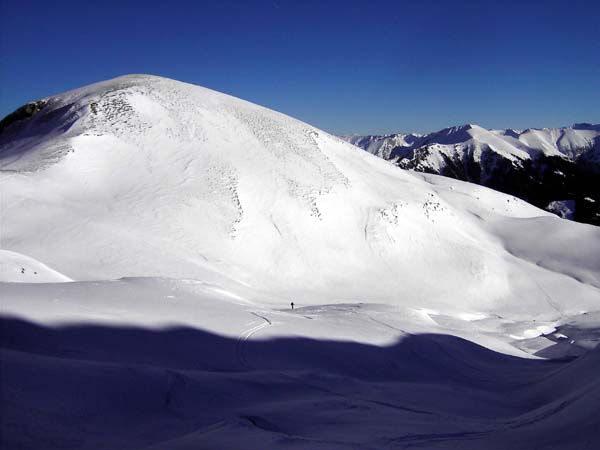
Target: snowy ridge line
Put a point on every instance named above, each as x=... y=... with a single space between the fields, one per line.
x=570 y=142
x=557 y=169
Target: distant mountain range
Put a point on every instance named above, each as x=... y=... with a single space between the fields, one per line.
x=557 y=169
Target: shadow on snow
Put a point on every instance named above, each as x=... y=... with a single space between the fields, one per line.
x=103 y=387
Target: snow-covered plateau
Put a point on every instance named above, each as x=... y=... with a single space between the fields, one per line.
x=154 y=235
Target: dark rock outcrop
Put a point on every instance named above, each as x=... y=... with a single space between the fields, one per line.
x=24 y=112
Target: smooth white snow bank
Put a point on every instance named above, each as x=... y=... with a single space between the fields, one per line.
x=15 y=267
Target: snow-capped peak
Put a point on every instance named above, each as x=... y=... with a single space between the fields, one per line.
x=143 y=175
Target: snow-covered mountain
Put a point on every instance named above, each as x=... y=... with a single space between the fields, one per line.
x=154 y=234
x=145 y=176
x=546 y=167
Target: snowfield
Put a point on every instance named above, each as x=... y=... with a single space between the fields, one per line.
x=154 y=234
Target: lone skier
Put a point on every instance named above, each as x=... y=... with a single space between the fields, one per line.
x=292 y=305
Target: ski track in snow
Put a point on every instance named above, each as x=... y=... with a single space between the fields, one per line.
x=241 y=351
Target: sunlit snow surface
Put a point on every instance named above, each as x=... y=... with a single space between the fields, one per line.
x=514 y=145
x=155 y=234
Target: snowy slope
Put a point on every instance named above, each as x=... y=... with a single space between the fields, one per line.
x=188 y=220
x=15 y=267
x=156 y=363
x=143 y=176
x=539 y=165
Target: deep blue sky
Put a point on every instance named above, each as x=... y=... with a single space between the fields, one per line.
x=344 y=66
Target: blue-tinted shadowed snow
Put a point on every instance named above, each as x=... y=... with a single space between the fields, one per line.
x=100 y=387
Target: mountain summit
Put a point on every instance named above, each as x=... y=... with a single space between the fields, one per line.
x=146 y=176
